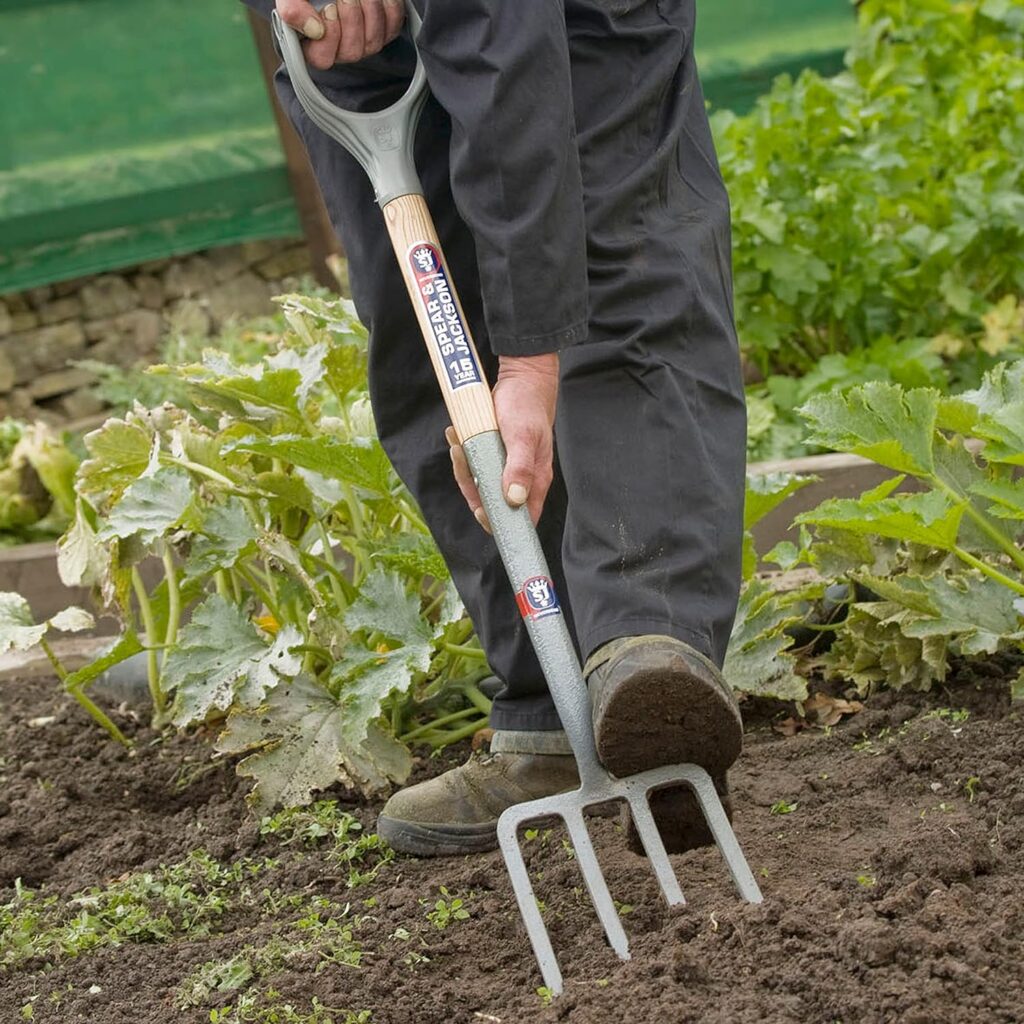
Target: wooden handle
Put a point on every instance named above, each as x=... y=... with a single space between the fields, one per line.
x=439 y=312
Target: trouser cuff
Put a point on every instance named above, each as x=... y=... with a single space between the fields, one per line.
x=550 y=741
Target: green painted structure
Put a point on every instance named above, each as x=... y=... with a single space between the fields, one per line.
x=131 y=132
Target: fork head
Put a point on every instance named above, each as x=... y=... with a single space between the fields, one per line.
x=570 y=807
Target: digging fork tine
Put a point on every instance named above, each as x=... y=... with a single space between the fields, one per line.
x=596 y=885
x=725 y=838
x=646 y=828
x=508 y=840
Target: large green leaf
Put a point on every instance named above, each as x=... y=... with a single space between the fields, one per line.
x=385 y=606
x=766 y=491
x=361 y=462
x=872 y=650
x=296 y=745
x=1007 y=497
x=150 y=506
x=119 y=454
x=974 y=611
x=308 y=364
x=879 y=421
x=255 y=392
x=225 y=534
x=18 y=629
x=365 y=679
x=82 y=559
x=415 y=555
x=927 y=518
x=757 y=661
x=1003 y=431
x=221 y=657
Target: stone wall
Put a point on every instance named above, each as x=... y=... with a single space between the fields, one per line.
x=122 y=317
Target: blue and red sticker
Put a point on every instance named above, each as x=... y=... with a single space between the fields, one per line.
x=438 y=300
x=537 y=598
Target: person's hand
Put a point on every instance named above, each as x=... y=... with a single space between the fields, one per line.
x=345 y=31
x=524 y=403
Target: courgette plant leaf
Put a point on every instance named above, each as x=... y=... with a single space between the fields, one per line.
x=150 y=506
x=296 y=744
x=82 y=559
x=226 y=533
x=879 y=421
x=757 y=661
x=1007 y=497
x=221 y=657
x=974 y=612
x=119 y=454
x=361 y=462
x=18 y=628
x=927 y=518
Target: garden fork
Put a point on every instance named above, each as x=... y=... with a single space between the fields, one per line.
x=382 y=142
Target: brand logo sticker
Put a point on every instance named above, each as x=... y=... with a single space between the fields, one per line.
x=537 y=598
x=450 y=334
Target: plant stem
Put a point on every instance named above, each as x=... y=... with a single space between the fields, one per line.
x=149 y=625
x=173 y=606
x=476 y=697
x=260 y=593
x=212 y=474
x=444 y=739
x=331 y=567
x=436 y=723
x=463 y=651
x=98 y=715
x=988 y=570
x=223 y=586
x=58 y=667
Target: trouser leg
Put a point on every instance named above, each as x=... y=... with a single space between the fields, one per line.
x=651 y=420
x=408 y=410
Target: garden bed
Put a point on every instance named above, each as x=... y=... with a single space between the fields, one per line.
x=890 y=850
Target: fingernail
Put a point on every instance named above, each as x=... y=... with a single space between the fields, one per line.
x=330 y=12
x=313 y=29
x=516 y=494
x=481 y=517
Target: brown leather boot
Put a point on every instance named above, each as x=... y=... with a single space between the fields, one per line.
x=457 y=813
x=657 y=701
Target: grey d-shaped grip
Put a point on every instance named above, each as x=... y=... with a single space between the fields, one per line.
x=381 y=141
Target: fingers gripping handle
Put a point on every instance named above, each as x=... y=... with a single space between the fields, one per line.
x=381 y=141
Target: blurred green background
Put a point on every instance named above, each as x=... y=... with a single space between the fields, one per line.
x=131 y=132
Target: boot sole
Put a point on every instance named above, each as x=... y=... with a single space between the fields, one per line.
x=695 y=723
x=659 y=716
x=423 y=840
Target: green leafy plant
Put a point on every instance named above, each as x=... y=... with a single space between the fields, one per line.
x=363 y=853
x=301 y=603
x=886 y=202
x=446 y=910
x=37 y=474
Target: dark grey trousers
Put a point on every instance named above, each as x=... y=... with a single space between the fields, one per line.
x=567 y=161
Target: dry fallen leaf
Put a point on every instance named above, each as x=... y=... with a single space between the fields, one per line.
x=482 y=738
x=820 y=712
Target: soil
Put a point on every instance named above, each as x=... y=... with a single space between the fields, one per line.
x=894 y=885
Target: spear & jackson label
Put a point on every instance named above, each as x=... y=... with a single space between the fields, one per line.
x=445 y=322
x=537 y=598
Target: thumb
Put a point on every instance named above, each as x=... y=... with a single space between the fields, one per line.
x=517 y=479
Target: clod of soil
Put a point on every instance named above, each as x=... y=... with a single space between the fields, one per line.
x=890 y=852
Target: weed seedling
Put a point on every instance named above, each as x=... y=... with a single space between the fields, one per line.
x=446 y=910
x=784 y=807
